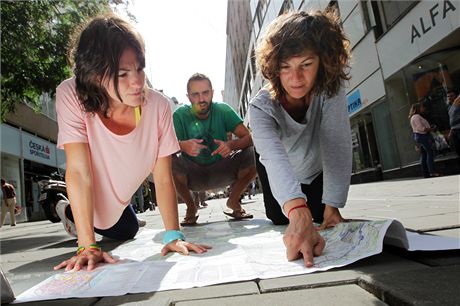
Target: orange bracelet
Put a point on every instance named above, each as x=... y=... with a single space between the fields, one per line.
x=295 y=207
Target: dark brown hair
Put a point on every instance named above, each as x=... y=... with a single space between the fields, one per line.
x=95 y=53
x=415 y=109
x=198 y=77
x=294 y=33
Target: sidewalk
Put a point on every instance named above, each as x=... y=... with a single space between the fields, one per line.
x=394 y=277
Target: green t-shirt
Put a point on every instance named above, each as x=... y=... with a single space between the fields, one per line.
x=221 y=120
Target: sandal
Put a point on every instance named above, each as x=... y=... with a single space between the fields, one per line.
x=239 y=214
x=189 y=221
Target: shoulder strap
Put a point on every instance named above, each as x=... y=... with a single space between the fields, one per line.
x=137 y=113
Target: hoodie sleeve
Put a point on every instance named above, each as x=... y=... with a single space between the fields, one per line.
x=336 y=150
x=273 y=156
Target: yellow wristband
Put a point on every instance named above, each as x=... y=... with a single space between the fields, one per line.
x=91 y=247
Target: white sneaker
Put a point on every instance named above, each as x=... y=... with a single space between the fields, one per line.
x=69 y=226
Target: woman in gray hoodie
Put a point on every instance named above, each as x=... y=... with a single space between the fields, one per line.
x=301 y=128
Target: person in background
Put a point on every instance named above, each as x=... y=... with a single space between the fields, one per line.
x=421 y=130
x=301 y=128
x=451 y=95
x=114 y=132
x=199 y=198
x=209 y=159
x=8 y=202
x=454 y=119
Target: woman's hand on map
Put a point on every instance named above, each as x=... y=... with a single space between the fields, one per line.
x=183 y=247
x=332 y=217
x=301 y=238
x=87 y=258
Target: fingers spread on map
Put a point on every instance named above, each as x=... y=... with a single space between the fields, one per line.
x=87 y=259
x=183 y=247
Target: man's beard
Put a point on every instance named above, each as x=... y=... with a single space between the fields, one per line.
x=204 y=111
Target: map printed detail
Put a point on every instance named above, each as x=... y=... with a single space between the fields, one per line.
x=68 y=281
x=241 y=251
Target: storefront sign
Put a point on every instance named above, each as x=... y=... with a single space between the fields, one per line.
x=354 y=102
x=425 y=25
x=428 y=21
x=39 y=150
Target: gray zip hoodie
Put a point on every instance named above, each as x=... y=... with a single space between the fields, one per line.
x=296 y=153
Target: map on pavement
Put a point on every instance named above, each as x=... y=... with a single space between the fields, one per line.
x=241 y=251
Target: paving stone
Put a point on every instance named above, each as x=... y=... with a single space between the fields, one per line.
x=173 y=296
x=430 y=286
x=29 y=250
x=432 y=222
x=380 y=263
x=336 y=295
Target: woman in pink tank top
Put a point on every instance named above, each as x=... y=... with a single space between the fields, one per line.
x=108 y=151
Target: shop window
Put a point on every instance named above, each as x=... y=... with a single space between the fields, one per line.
x=388 y=13
x=426 y=81
x=243 y=105
x=431 y=89
x=286 y=7
x=253 y=63
x=260 y=13
x=431 y=78
x=246 y=97
x=365 y=152
x=385 y=136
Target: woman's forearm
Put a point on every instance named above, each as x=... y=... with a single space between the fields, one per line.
x=166 y=193
x=167 y=203
x=79 y=190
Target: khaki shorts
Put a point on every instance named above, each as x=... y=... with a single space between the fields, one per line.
x=218 y=175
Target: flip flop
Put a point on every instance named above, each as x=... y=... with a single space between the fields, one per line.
x=189 y=221
x=239 y=215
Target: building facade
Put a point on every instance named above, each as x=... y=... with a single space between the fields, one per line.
x=403 y=52
x=28 y=150
x=239 y=24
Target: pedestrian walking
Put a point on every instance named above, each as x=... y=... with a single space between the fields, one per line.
x=8 y=202
x=454 y=120
x=421 y=131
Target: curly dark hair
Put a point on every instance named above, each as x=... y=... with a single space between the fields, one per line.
x=294 y=33
x=95 y=53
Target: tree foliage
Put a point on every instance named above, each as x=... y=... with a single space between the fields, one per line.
x=34 y=40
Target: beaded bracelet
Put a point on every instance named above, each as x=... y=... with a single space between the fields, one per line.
x=295 y=207
x=91 y=247
x=172 y=235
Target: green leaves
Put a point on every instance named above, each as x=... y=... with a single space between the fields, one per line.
x=34 y=40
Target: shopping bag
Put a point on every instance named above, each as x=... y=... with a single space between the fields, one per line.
x=17 y=210
x=440 y=142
